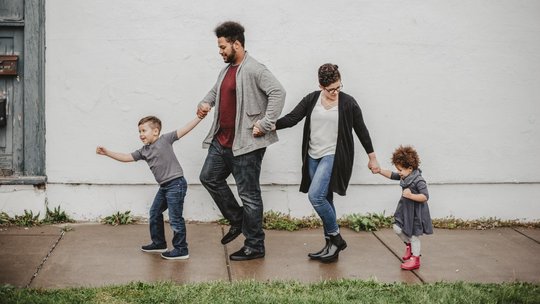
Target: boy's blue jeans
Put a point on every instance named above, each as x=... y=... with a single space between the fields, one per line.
x=246 y=170
x=320 y=172
x=169 y=196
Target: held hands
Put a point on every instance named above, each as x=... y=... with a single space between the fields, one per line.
x=257 y=132
x=203 y=109
x=373 y=165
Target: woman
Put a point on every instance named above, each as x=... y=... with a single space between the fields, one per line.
x=328 y=151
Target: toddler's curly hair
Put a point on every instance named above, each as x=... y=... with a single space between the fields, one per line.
x=406 y=157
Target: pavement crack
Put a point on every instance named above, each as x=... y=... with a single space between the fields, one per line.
x=227 y=262
x=397 y=256
x=45 y=259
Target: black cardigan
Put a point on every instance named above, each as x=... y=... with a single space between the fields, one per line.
x=349 y=118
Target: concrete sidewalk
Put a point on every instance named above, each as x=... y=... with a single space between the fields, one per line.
x=98 y=255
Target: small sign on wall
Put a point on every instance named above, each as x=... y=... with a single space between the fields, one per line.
x=8 y=65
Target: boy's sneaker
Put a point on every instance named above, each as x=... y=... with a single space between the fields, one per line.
x=175 y=254
x=154 y=248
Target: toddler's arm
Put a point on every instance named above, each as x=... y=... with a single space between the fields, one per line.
x=420 y=198
x=188 y=127
x=384 y=172
x=123 y=157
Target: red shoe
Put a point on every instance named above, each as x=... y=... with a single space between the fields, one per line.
x=407 y=252
x=412 y=263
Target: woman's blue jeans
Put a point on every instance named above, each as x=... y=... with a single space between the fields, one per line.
x=320 y=172
x=169 y=196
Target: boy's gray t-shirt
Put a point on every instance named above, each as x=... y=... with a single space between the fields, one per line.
x=161 y=158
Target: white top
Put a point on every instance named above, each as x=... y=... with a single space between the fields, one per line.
x=324 y=130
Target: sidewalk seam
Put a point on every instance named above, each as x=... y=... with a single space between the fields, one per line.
x=397 y=256
x=45 y=259
x=530 y=238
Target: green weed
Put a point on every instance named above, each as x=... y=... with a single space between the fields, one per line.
x=119 y=219
x=5 y=219
x=56 y=216
x=28 y=219
x=368 y=222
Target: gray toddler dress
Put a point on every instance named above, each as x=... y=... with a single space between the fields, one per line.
x=412 y=217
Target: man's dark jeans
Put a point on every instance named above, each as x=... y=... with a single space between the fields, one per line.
x=246 y=170
x=169 y=196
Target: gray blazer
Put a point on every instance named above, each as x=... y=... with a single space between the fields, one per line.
x=259 y=96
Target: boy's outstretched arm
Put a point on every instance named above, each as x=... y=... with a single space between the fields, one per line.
x=188 y=127
x=123 y=157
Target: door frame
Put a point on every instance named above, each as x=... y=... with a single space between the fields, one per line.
x=34 y=94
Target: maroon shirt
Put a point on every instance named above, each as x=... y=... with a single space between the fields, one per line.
x=227 y=108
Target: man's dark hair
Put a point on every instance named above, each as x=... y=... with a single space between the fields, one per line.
x=231 y=31
x=328 y=74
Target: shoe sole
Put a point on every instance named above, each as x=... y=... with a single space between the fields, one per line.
x=184 y=257
x=224 y=242
x=154 y=250
x=411 y=268
x=246 y=258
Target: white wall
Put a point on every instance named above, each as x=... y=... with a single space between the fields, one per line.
x=456 y=79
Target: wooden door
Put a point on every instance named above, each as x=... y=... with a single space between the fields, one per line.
x=11 y=101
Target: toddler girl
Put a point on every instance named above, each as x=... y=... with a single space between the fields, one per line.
x=412 y=217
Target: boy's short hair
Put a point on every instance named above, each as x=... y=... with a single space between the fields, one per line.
x=154 y=122
x=406 y=157
x=231 y=31
x=328 y=74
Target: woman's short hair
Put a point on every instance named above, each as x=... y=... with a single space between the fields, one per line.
x=154 y=122
x=328 y=74
x=406 y=157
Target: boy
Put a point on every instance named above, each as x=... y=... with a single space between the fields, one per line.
x=159 y=154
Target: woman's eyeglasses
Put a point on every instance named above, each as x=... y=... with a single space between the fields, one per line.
x=334 y=90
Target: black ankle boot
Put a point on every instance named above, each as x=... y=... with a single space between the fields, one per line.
x=337 y=244
x=317 y=255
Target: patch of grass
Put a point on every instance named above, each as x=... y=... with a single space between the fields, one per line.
x=223 y=221
x=118 y=219
x=56 y=216
x=481 y=224
x=279 y=221
x=368 y=222
x=273 y=220
x=339 y=291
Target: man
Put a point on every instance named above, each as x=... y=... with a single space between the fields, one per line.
x=245 y=95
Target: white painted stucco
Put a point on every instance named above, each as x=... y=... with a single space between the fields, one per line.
x=459 y=80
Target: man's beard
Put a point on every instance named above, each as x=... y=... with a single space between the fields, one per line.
x=231 y=57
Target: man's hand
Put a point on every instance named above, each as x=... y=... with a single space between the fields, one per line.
x=203 y=109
